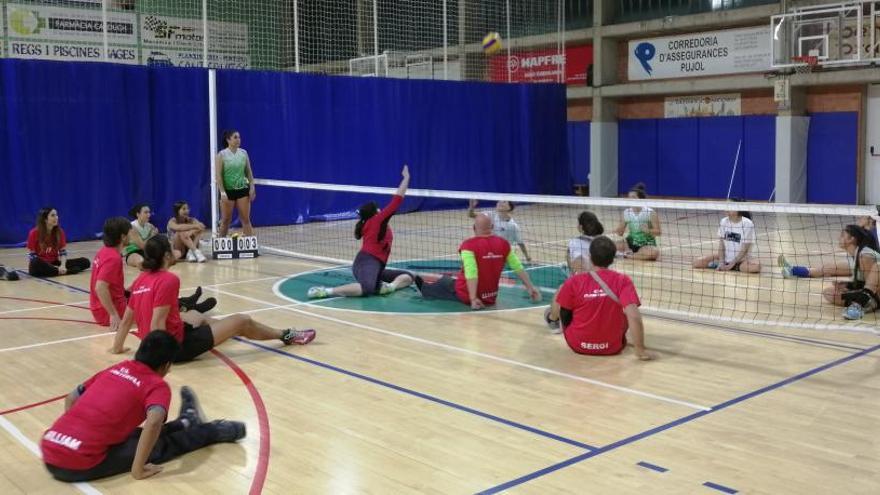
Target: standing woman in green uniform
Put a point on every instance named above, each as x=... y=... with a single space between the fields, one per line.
x=235 y=180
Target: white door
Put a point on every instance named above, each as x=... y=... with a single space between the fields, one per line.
x=872 y=146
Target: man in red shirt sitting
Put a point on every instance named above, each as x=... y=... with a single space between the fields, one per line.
x=482 y=258
x=98 y=434
x=597 y=307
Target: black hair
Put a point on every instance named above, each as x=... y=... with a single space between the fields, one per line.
x=602 y=251
x=176 y=208
x=46 y=237
x=639 y=189
x=590 y=224
x=742 y=213
x=155 y=250
x=864 y=238
x=511 y=204
x=136 y=209
x=366 y=212
x=227 y=134
x=157 y=349
x=114 y=229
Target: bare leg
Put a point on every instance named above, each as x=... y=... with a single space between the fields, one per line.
x=242 y=325
x=195 y=319
x=646 y=253
x=622 y=246
x=178 y=246
x=135 y=260
x=226 y=207
x=832 y=293
x=401 y=281
x=703 y=262
x=348 y=290
x=750 y=266
x=187 y=239
x=244 y=214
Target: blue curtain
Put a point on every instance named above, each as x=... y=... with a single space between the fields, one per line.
x=93 y=139
x=454 y=135
x=579 y=151
x=831 y=158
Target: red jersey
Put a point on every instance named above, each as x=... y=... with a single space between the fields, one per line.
x=151 y=290
x=50 y=253
x=491 y=253
x=598 y=324
x=114 y=403
x=370 y=232
x=107 y=267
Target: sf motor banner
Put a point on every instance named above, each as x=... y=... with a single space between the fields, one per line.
x=700 y=54
x=543 y=65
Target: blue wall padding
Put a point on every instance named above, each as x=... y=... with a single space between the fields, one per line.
x=831 y=158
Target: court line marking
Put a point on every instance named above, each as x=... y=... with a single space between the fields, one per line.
x=32 y=405
x=678 y=422
x=420 y=395
x=32 y=447
x=53 y=342
x=652 y=467
x=449 y=347
x=720 y=488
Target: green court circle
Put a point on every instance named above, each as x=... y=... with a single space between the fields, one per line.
x=512 y=296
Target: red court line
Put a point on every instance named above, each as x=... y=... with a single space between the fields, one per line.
x=263 y=418
x=26 y=299
x=35 y=404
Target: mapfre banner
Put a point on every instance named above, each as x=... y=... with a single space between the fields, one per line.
x=700 y=54
x=542 y=65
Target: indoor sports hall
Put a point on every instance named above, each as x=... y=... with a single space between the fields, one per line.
x=260 y=153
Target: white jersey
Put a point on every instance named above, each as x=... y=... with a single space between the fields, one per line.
x=866 y=251
x=735 y=236
x=579 y=249
x=506 y=229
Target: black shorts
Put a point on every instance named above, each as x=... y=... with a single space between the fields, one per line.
x=635 y=247
x=196 y=341
x=234 y=194
x=370 y=272
x=139 y=252
x=443 y=288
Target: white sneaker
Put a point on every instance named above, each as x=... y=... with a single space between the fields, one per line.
x=191 y=256
x=200 y=258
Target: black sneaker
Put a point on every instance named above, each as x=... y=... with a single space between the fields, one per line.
x=6 y=274
x=206 y=305
x=190 y=409
x=228 y=431
x=189 y=302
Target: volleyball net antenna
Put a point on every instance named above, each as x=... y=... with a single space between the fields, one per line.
x=316 y=222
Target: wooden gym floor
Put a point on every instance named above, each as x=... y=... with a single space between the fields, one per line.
x=461 y=403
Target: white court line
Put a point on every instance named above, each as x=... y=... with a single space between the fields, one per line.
x=475 y=353
x=52 y=342
x=31 y=446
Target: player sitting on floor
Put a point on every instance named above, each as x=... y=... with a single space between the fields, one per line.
x=47 y=248
x=185 y=233
x=504 y=225
x=643 y=226
x=483 y=258
x=153 y=305
x=99 y=435
x=737 y=236
x=369 y=265
x=860 y=295
x=107 y=295
x=596 y=308
x=143 y=230
x=577 y=256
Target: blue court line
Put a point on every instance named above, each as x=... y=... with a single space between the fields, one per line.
x=673 y=424
x=652 y=467
x=720 y=488
x=420 y=395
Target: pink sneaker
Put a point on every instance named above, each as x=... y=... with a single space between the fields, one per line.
x=301 y=337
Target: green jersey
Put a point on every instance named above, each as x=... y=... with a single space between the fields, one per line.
x=638 y=225
x=234 y=165
x=144 y=232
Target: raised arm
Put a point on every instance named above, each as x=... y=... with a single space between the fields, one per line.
x=404 y=182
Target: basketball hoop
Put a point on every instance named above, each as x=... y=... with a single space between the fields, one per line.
x=805 y=64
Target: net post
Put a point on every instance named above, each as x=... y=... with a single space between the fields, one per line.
x=445 y=44
x=296 y=35
x=507 y=63
x=376 y=34
x=212 y=133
